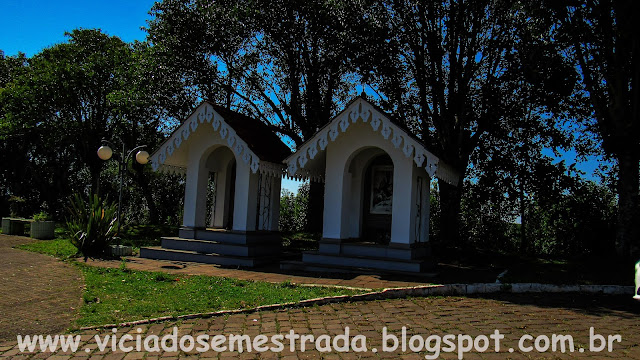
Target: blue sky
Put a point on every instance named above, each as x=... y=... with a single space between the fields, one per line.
x=29 y=26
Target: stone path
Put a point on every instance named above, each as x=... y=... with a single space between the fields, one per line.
x=38 y=293
x=513 y=315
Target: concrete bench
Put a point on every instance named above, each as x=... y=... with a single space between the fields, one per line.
x=14 y=226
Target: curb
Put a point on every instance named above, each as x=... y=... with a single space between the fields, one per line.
x=395 y=293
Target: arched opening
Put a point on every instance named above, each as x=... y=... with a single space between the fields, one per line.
x=367 y=207
x=221 y=168
x=377 y=200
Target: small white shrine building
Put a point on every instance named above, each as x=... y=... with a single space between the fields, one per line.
x=377 y=179
x=233 y=167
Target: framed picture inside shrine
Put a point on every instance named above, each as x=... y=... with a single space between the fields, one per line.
x=381 y=190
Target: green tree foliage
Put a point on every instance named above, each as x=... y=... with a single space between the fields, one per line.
x=570 y=217
x=286 y=62
x=66 y=98
x=464 y=73
x=61 y=103
x=293 y=210
x=580 y=221
x=600 y=37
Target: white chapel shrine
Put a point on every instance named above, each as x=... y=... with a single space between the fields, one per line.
x=377 y=179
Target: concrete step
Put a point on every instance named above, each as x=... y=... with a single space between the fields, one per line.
x=382 y=251
x=208 y=246
x=297 y=265
x=368 y=262
x=159 y=253
x=231 y=237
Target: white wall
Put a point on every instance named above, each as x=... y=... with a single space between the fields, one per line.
x=200 y=145
x=347 y=157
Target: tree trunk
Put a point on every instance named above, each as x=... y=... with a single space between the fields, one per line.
x=95 y=178
x=450 y=197
x=143 y=183
x=627 y=229
x=315 y=210
x=524 y=244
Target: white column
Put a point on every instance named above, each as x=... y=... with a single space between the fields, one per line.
x=275 y=202
x=426 y=208
x=195 y=198
x=337 y=183
x=354 y=209
x=404 y=196
x=246 y=197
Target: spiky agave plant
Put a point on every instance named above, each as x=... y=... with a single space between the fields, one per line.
x=92 y=224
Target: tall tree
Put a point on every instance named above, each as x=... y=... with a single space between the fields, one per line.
x=67 y=94
x=71 y=96
x=470 y=69
x=286 y=62
x=600 y=36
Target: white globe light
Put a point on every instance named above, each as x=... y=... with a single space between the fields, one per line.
x=142 y=157
x=105 y=152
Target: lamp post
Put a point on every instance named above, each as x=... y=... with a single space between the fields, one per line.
x=105 y=153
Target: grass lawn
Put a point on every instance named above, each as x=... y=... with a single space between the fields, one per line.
x=146 y=235
x=117 y=295
x=60 y=248
x=120 y=295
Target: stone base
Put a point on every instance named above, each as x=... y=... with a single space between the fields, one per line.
x=336 y=254
x=120 y=250
x=217 y=246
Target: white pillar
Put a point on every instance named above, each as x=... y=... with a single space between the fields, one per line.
x=337 y=183
x=275 y=202
x=246 y=197
x=426 y=208
x=403 y=211
x=195 y=199
x=353 y=211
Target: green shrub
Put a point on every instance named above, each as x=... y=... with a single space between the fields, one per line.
x=92 y=225
x=294 y=209
x=17 y=206
x=41 y=216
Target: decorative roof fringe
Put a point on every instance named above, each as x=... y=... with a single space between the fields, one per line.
x=204 y=115
x=448 y=174
x=171 y=169
x=271 y=169
x=399 y=138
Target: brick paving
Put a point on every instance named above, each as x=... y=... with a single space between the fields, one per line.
x=512 y=314
x=38 y=293
x=36 y=287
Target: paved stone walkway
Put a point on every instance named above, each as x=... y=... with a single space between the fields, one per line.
x=38 y=293
x=513 y=315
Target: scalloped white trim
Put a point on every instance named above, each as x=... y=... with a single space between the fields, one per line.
x=400 y=139
x=205 y=114
x=171 y=169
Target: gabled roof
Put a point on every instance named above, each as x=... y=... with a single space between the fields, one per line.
x=259 y=136
x=252 y=140
x=360 y=109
